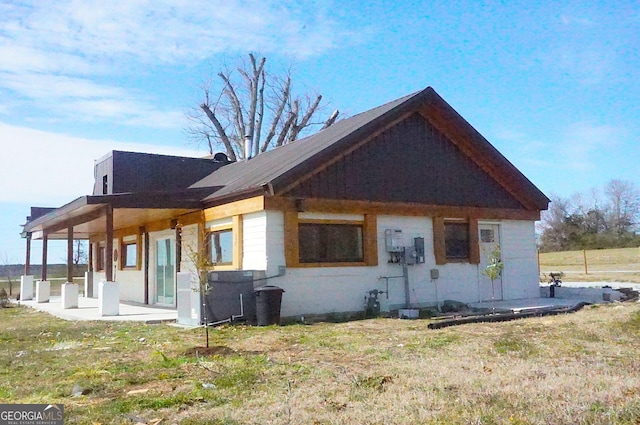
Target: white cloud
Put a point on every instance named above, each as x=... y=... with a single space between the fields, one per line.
x=52 y=169
x=55 y=55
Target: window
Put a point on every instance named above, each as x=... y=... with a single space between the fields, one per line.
x=105 y=185
x=130 y=255
x=456 y=240
x=221 y=246
x=330 y=243
x=487 y=236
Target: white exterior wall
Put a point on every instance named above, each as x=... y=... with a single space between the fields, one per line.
x=254 y=241
x=321 y=290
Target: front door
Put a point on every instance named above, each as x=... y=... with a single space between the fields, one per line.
x=165 y=272
x=489 y=240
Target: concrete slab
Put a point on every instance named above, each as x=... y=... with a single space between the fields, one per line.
x=88 y=309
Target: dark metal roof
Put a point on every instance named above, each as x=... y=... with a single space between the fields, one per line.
x=283 y=165
x=284 y=160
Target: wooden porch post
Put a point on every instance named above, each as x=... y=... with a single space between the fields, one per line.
x=27 y=261
x=109 y=245
x=45 y=240
x=146 y=266
x=70 y=254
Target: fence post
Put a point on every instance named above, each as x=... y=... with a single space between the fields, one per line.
x=584 y=254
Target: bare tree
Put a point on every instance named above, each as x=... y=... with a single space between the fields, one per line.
x=250 y=102
x=624 y=205
x=7 y=271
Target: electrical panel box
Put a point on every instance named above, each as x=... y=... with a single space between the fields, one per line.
x=410 y=255
x=418 y=244
x=435 y=273
x=393 y=240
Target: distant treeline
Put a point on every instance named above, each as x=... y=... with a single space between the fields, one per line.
x=608 y=218
x=53 y=270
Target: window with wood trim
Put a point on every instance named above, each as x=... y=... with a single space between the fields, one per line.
x=330 y=243
x=221 y=247
x=456 y=240
x=129 y=255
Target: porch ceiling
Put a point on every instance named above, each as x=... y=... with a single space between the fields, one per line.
x=87 y=216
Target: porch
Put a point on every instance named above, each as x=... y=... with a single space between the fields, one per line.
x=88 y=309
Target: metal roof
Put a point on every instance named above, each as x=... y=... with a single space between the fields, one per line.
x=276 y=163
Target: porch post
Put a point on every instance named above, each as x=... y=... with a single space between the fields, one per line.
x=146 y=266
x=27 y=260
x=43 y=288
x=109 y=291
x=26 y=280
x=108 y=266
x=69 y=290
x=70 y=254
x=45 y=242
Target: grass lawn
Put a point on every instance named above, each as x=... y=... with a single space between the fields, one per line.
x=620 y=265
x=578 y=368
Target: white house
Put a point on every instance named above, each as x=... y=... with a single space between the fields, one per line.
x=406 y=198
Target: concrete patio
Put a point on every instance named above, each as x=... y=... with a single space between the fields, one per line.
x=88 y=310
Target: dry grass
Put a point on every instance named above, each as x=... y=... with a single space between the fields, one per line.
x=621 y=265
x=579 y=368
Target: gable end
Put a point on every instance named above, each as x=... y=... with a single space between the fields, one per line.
x=411 y=161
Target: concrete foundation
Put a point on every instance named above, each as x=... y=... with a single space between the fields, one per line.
x=69 y=295
x=43 y=291
x=26 y=287
x=109 y=298
x=592 y=295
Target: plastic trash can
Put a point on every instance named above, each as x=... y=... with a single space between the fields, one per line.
x=268 y=302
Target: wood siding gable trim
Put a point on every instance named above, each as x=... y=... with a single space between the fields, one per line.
x=408 y=161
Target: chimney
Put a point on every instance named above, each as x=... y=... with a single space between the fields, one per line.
x=248 y=147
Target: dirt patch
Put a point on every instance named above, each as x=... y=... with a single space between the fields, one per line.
x=216 y=350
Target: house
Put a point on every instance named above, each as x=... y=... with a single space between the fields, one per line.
x=407 y=199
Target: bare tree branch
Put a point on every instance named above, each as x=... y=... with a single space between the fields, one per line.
x=251 y=101
x=331 y=120
x=221 y=133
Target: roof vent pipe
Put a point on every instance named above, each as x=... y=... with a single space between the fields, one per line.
x=248 y=147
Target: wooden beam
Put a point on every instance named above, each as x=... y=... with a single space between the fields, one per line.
x=238 y=248
x=339 y=206
x=27 y=260
x=45 y=243
x=70 y=254
x=474 y=242
x=370 y=242
x=73 y=221
x=291 y=242
x=439 y=250
x=146 y=267
x=108 y=252
x=243 y=206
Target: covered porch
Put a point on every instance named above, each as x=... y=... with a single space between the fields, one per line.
x=114 y=225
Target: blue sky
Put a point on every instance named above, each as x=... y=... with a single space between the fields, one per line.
x=553 y=85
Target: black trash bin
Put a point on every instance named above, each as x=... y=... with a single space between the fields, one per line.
x=268 y=302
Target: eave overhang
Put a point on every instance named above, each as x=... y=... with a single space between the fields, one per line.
x=86 y=214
